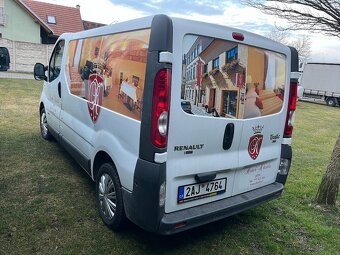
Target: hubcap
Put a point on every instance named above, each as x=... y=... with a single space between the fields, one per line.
x=107 y=196
x=43 y=124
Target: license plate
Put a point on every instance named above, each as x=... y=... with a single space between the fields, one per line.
x=200 y=190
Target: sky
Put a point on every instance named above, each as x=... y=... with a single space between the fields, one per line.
x=229 y=13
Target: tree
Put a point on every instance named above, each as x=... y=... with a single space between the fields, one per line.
x=321 y=16
x=281 y=36
x=301 y=43
x=329 y=186
x=303 y=46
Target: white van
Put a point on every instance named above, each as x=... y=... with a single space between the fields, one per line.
x=113 y=97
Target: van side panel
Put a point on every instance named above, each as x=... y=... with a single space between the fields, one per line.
x=103 y=96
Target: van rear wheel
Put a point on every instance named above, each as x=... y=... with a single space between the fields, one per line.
x=45 y=133
x=109 y=197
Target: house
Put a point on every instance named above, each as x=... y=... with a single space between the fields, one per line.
x=223 y=77
x=38 y=22
x=29 y=29
x=193 y=71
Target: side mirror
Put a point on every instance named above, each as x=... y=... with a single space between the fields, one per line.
x=39 y=72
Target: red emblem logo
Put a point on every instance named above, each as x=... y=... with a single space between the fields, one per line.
x=254 y=146
x=96 y=91
x=255 y=142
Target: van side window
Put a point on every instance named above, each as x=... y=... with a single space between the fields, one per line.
x=110 y=70
x=55 y=62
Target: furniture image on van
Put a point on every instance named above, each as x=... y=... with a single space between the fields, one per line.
x=179 y=141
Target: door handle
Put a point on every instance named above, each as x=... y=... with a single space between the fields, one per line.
x=59 y=89
x=228 y=136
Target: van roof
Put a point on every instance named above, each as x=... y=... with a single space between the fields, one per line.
x=145 y=22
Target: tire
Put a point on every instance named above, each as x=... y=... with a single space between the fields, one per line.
x=45 y=133
x=331 y=101
x=109 y=197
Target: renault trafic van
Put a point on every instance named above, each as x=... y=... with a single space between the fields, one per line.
x=113 y=97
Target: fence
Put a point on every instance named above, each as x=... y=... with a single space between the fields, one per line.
x=24 y=55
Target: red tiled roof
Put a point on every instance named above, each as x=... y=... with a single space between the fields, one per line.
x=68 y=19
x=89 y=24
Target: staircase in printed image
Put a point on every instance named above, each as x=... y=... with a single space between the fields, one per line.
x=77 y=85
x=271 y=102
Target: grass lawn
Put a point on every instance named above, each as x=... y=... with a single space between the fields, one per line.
x=47 y=203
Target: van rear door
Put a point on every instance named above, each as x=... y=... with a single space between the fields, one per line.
x=230 y=140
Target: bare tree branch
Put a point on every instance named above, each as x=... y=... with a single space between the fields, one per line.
x=301 y=43
x=321 y=16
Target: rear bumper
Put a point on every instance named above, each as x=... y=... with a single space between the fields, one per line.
x=142 y=205
x=189 y=218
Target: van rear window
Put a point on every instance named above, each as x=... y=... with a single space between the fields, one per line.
x=231 y=80
x=109 y=70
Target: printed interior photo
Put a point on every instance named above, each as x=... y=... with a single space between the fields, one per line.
x=120 y=61
x=230 y=80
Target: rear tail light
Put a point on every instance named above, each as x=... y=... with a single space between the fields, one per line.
x=160 y=108
x=291 y=108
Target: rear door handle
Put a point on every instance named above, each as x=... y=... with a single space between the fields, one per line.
x=59 y=89
x=228 y=136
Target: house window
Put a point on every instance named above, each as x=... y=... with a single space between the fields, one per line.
x=216 y=63
x=51 y=19
x=205 y=68
x=231 y=54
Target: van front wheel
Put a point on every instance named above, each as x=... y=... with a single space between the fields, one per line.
x=45 y=133
x=109 y=197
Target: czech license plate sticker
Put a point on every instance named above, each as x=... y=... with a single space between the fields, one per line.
x=200 y=190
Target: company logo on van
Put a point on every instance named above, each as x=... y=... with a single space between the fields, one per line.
x=189 y=149
x=255 y=142
x=95 y=97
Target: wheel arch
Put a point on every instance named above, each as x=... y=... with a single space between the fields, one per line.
x=101 y=158
x=41 y=106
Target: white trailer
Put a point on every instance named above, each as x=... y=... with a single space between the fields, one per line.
x=321 y=81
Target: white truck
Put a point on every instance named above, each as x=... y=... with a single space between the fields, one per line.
x=321 y=81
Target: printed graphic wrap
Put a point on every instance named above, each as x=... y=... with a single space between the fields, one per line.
x=120 y=62
x=231 y=80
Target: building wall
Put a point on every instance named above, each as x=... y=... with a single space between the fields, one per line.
x=24 y=55
x=19 y=25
